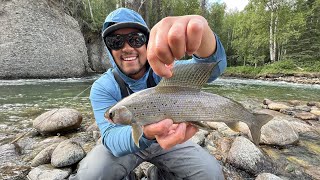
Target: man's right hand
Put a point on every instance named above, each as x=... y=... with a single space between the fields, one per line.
x=169 y=134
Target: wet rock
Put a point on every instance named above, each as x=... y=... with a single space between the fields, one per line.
x=306 y=116
x=313 y=171
x=315 y=112
x=44 y=157
x=199 y=137
x=277 y=106
x=13 y=171
x=67 y=153
x=303 y=108
x=294 y=102
x=141 y=170
x=48 y=172
x=267 y=101
x=245 y=155
x=8 y=153
x=277 y=132
x=93 y=127
x=222 y=128
x=313 y=103
x=267 y=176
x=58 y=120
x=288 y=111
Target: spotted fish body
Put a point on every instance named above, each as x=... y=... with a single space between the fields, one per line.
x=179 y=98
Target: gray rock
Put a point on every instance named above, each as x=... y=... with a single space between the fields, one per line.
x=277 y=132
x=58 y=120
x=199 y=137
x=38 y=40
x=44 y=157
x=267 y=176
x=306 y=116
x=8 y=153
x=277 y=106
x=245 y=155
x=67 y=153
x=47 y=172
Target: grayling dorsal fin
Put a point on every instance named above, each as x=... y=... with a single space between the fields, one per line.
x=193 y=75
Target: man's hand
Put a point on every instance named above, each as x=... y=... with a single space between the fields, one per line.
x=168 y=134
x=172 y=37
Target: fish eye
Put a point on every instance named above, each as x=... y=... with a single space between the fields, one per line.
x=111 y=114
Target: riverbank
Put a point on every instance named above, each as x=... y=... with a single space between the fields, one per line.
x=301 y=78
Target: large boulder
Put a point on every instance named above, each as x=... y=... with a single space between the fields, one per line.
x=38 y=40
x=58 y=121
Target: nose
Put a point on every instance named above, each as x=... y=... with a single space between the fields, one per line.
x=127 y=47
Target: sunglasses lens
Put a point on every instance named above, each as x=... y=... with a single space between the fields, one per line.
x=116 y=42
x=137 y=40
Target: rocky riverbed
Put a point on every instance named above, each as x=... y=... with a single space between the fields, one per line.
x=58 y=139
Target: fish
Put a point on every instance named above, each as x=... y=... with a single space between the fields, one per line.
x=180 y=98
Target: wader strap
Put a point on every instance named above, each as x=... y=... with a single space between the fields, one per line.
x=124 y=88
x=150 y=80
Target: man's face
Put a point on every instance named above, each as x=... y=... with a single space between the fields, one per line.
x=131 y=61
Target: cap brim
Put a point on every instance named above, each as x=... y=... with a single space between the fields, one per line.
x=117 y=26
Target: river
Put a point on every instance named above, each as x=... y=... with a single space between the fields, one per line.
x=23 y=100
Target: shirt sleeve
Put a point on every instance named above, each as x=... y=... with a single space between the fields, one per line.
x=117 y=138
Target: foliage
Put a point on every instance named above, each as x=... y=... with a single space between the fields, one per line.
x=279 y=35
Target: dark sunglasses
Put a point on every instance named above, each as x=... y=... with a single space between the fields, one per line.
x=134 y=39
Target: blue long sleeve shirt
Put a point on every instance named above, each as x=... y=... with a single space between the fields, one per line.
x=105 y=92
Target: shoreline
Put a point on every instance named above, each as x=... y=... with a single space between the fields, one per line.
x=301 y=79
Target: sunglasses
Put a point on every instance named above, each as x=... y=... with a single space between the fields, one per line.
x=117 y=41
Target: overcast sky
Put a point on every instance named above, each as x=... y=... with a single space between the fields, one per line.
x=234 y=4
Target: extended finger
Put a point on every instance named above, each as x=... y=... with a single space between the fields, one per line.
x=195 y=31
x=161 y=47
x=177 y=39
x=157 y=65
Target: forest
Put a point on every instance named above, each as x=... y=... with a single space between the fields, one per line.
x=268 y=36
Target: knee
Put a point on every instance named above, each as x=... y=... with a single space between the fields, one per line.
x=212 y=170
x=98 y=164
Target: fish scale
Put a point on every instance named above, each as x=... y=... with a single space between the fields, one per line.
x=180 y=98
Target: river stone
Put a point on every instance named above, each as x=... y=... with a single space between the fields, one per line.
x=306 y=116
x=278 y=133
x=67 y=153
x=8 y=153
x=277 y=106
x=267 y=176
x=47 y=172
x=39 y=40
x=315 y=111
x=245 y=155
x=58 y=120
x=44 y=157
x=199 y=137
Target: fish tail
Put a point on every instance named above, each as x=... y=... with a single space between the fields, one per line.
x=255 y=127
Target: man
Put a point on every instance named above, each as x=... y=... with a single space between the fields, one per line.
x=134 y=52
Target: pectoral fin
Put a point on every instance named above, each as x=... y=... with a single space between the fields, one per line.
x=233 y=126
x=137 y=132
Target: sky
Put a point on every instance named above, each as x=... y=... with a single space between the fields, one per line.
x=233 y=4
